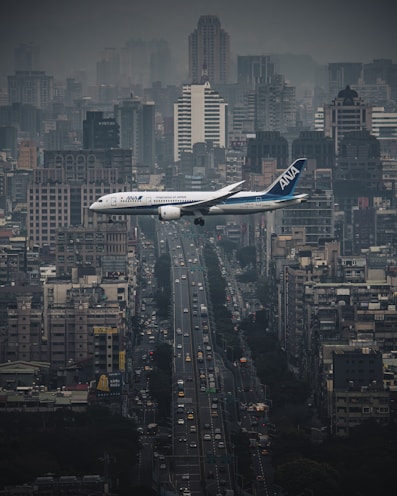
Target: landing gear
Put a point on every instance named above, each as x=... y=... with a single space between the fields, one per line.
x=199 y=221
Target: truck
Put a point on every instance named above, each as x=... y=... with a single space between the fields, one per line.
x=203 y=310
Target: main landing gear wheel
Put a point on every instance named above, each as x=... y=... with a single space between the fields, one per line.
x=199 y=221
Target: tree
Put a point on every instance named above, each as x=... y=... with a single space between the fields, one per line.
x=227 y=245
x=162 y=271
x=303 y=476
x=246 y=256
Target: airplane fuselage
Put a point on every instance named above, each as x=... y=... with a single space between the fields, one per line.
x=172 y=205
x=148 y=203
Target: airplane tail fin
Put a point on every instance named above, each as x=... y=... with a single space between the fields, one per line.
x=286 y=183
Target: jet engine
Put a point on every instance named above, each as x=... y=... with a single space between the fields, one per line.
x=169 y=213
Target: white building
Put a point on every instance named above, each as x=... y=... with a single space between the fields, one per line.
x=384 y=124
x=199 y=116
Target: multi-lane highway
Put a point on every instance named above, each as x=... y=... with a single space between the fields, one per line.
x=209 y=399
x=201 y=454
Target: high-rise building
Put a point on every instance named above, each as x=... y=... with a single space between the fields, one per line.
x=88 y=245
x=27 y=155
x=382 y=70
x=100 y=132
x=31 y=87
x=199 y=117
x=108 y=67
x=254 y=69
x=25 y=117
x=209 y=47
x=275 y=105
x=342 y=74
x=8 y=140
x=148 y=135
x=266 y=145
x=348 y=112
x=358 y=393
x=84 y=320
x=137 y=129
x=314 y=145
x=70 y=180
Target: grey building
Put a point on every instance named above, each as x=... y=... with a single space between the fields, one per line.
x=209 y=47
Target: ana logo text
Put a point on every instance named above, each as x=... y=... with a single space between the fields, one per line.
x=134 y=198
x=288 y=177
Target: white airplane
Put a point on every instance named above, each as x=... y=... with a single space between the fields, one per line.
x=171 y=205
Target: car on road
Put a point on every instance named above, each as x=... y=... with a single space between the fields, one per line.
x=193 y=444
x=207 y=437
x=185 y=310
x=181 y=421
x=221 y=444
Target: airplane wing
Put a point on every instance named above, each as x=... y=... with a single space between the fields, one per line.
x=220 y=195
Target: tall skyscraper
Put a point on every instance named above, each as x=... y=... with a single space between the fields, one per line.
x=199 y=116
x=31 y=87
x=209 y=47
x=254 y=69
x=137 y=129
x=100 y=132
x=348 y=112
x=275 y=105
x=108 y=67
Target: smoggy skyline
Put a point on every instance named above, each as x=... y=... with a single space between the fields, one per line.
x=72 y=34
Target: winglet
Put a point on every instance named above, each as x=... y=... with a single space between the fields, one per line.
x=232 y=188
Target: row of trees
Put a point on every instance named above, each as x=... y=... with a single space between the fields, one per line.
x=358 y=466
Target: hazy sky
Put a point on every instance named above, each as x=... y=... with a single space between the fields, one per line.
x=72 y=33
